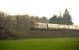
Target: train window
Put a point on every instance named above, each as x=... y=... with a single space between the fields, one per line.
x=37 y=24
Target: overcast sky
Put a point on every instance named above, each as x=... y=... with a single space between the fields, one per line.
x=41 y=7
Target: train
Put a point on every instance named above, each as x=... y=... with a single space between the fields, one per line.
x=40 y=25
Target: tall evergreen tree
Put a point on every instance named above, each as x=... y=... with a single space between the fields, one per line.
x=66 y=19
x=53 y=20
x=60 y=19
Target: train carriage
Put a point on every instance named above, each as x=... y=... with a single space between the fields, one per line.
x=63 y=27
x=73 y=27
x=40 y=25
x=53 y=26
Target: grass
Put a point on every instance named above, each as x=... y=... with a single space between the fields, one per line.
x=41 y=44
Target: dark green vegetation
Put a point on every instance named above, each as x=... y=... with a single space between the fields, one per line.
x=65 y=19
x=41 y=44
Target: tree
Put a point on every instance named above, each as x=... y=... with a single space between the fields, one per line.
x=2 y=20
x=66 y=19
x=59 y=20
x=44 y=19
x=53 y=20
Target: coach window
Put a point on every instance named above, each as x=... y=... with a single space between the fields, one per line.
x=37 y=24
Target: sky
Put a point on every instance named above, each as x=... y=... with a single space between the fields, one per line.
x=41 y=8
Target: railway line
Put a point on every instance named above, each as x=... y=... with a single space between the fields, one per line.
x=53 y=30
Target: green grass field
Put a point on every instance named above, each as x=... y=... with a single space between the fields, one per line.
x=41 y=44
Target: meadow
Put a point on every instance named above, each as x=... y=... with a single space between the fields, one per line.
x=41 y=44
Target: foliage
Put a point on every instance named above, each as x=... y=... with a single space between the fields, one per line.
x=66 y=19
x=17 y=26
x=53 y=19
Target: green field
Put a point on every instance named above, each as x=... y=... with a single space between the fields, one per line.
x=41 y=44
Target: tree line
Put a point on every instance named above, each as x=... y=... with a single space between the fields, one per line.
x=18 y=26
x=65 y=19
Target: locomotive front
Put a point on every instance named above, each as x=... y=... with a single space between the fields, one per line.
x=40 y=25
